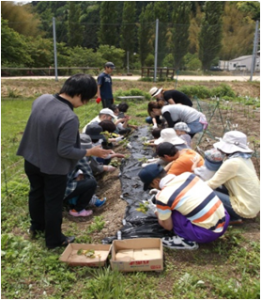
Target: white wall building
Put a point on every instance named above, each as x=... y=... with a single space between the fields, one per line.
x=240 y=63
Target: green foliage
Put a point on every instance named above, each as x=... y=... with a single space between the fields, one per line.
x=75 y=29
x=181 y=15
x=196 y=90
x=108 y=14
x=146 y=32
x=149 y=61
x=14 y=48
x=128 y=35
x=15 y=188
x=211 y=33
x=83 y=57
x=161 y=10
x=111 y=53
x=223 y=90
x=40 y=51
x=168 y=61
x=191 y=61
x=97 y=224
x=203 y=92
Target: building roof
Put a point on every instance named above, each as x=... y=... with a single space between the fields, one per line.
x=241 y=58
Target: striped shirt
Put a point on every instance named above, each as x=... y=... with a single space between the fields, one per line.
x=191 y=196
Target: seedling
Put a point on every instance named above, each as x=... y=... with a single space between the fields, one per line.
x=90 y=253
x=143 y=207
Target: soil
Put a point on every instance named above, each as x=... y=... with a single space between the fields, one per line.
x=109 y=184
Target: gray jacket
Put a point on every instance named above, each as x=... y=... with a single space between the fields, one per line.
x=51 y=139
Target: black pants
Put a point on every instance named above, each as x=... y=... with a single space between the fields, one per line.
x=85 y=190
x=107 y=103
x=46 y=203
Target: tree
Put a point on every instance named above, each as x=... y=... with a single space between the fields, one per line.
x=107 y=34
x=89 y=19
x=20 y=18
x=181 y=19
x=128 y=34
x=210 y=36
x=146 y=32
x=252 y=8
x=161 y=10
x=75 y=29
x=194 y=29
x=238 y=33
x=14 y=47
x=41 y=52
x=111 y=53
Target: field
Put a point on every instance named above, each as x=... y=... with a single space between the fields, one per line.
x=228 y=268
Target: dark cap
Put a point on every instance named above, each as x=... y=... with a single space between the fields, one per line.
x=94 y=131
x=86 y=142
x=149 y=173
x=110 y=64
x=166 y=149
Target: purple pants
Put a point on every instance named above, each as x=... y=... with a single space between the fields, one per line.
x=185 y=229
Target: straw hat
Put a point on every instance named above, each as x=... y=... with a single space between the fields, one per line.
x=154 y=91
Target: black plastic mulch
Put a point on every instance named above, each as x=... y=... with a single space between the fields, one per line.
x=136 y=224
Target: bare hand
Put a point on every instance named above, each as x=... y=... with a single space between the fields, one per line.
x=99 y=152
x=118 y=155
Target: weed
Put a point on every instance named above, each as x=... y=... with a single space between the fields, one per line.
x=97 y=224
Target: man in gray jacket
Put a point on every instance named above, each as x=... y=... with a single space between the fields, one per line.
x=51 y=148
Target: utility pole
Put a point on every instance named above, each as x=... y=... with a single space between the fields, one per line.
x=254 y=51
x=156 y=50
x=55 y=51
x=128 y=62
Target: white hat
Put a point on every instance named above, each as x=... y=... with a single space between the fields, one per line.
x=182 y=126
x=169 y=135
x=107 y=111
x=154 y=91
x=166 y=180
x=233 y=141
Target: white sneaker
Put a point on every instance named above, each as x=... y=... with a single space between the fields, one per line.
x=176 y=242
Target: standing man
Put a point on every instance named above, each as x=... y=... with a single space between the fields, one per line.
x=51 y=148
x=105 y=85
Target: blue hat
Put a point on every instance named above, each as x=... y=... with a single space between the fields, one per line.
x=149 y=173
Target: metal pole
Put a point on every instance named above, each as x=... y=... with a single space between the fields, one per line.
x=156 y=50
x=128 y=67
x=254 y=51
x=55 y=51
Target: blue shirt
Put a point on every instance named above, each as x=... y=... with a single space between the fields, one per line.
x=105 y=82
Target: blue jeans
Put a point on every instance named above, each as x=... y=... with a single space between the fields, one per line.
x=227 y=204
x=195 y=127
x=149 y=120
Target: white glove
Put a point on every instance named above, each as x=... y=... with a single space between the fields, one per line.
x=155 y=126
x=110 y=168
x=119 y=138
x=153 y=191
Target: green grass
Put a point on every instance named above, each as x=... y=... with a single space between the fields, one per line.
x=227 y=268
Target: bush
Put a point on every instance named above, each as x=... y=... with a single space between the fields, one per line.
x=197 y=90
x=223 y=90
x=132 y=92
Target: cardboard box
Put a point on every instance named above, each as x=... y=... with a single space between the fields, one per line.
x=71 y=257
x=144 y=254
